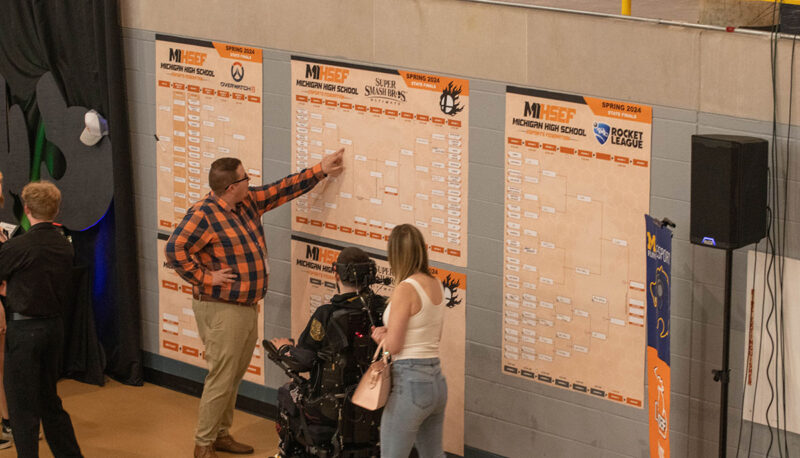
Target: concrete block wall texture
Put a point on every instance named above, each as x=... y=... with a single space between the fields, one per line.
x=504 y=416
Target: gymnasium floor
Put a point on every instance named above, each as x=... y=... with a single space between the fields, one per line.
x=149 y=421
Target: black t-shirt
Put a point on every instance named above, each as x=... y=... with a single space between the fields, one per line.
x=38 y=268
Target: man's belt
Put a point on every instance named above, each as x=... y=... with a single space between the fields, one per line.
x=205 y=297
x=14 y=316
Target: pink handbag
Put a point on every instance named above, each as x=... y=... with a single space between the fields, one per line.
x=373 y=389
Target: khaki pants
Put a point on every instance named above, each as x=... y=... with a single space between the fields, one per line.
x=229 y=333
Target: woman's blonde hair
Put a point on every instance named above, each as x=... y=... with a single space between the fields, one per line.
x=408 y=253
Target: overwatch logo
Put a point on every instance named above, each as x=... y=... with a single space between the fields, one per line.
x=449 y=101
x=237 y=71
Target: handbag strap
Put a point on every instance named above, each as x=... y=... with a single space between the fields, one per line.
x=379 y=351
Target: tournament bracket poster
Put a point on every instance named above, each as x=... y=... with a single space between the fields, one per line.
x=577 y=182
x=208 y=106
x=314 y=283
x=178 y=338
x=659 y=262
x=405 y=136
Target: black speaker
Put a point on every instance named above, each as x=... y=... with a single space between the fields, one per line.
x=729 y=190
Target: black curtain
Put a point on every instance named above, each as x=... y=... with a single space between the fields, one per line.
x=79 y=42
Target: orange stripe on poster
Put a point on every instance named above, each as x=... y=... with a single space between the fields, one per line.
x=442 y=275
x=455 y=86
x=620 y=110
x=246 y=53
x=170 y=345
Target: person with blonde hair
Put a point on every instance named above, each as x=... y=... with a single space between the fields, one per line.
x=37 y=267
x=414 y=413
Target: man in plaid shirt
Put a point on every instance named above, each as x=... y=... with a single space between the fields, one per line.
x=219 y=248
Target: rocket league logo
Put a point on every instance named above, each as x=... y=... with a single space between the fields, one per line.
x=601 y=131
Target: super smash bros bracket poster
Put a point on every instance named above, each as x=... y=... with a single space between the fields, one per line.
x=314 y=284
x=405 y=136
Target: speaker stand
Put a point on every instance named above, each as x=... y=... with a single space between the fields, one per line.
x=723 y=375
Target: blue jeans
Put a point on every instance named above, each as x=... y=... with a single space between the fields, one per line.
x=414 y=413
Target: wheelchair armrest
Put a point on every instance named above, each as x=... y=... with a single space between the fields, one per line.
x=272 y=351
x=288 y=365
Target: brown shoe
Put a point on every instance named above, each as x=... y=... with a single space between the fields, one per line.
x=228 y=444
x=204 y=451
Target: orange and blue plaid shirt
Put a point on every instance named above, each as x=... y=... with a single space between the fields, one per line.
x=214 y=236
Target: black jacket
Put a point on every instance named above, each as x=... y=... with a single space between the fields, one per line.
x=38 y=268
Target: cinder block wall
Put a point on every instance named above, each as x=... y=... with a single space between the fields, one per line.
x=505 y=415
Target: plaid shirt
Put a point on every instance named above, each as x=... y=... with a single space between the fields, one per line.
x=214 y=236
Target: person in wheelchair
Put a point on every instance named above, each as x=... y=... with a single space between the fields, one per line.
x=335 y=348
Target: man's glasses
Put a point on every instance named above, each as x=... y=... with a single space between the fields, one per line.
x=244 y=178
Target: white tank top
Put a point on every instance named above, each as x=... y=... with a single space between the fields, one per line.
x=424 y=328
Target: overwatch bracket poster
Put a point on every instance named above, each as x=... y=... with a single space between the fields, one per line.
x=313 y=284
x=405 y=136
x=208 y=102
x=577 y=182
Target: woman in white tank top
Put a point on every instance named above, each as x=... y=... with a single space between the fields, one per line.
x=414 y=413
